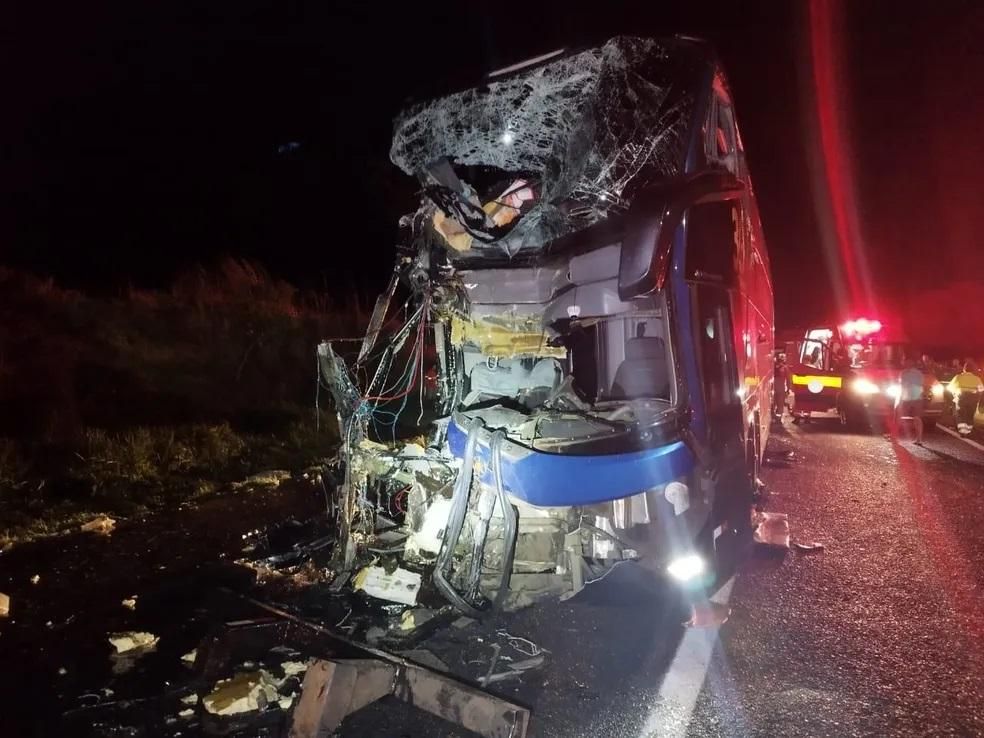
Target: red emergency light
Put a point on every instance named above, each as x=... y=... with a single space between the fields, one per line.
x=860 y=327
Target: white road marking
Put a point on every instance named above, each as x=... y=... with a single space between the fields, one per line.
x=953 y=433
x=670 y=717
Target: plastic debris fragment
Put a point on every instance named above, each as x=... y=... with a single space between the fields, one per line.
x=708 y=614
x=132 y=640
x=245 y=692
x=811 y=547
x=103 y=525
x=400 y=586
x=772 y=529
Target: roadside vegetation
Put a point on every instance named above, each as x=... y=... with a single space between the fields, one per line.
x=150 y=398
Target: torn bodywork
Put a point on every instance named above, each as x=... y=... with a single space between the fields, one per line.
x=542 y=410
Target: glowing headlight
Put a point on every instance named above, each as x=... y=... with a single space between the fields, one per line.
x=937 y=390
x=865 y=387
x=815 y=386
x=685 y=568
x=893 y=391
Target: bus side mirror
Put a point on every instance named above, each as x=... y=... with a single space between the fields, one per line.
x=652 y=222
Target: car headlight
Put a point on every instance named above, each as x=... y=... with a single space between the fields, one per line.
x=865 y=387
x=937 y=390
x=893 y=391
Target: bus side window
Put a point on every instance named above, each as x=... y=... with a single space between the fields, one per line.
x=721 y=145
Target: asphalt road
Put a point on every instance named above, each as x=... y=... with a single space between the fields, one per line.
x=880 y=634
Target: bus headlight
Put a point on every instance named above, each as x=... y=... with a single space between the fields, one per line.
x=937 y=390
x=893 y=391
x=685 y=568
x=865 y=387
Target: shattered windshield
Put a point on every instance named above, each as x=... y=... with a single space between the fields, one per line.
x=549 y=150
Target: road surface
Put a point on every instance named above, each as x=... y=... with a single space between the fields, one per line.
x=880 y=634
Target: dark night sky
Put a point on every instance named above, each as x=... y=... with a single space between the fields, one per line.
x=143 y=139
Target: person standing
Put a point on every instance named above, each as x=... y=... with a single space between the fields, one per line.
x=910 y=402
x=966 y=387
x=780 y=389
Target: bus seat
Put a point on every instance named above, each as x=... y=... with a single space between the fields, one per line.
x=644 y=372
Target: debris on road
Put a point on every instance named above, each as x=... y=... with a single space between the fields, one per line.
x=103 y=525
x=270 y=479
x=130 y=603
x=189 y=658
x=132 y=640
x=399 y=586
x=772 y=529
x=811 y=547
x=130 y=647
x=708 y=614
x=4 y=605
x=246 y=692
x=35 y=579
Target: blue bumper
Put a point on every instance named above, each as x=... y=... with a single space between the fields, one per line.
x=562 y=480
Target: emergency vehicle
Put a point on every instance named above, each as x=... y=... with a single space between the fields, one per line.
x=853 y=369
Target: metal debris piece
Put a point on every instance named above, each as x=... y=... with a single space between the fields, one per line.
x=186 y=713
x=35 y=579
x=399 y=586
x=334 y=689
x=811 y=547
x=103 y=525
x=772 y=529
x=130 y=603
x=189 y=658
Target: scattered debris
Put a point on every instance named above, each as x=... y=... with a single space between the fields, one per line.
x=524 y=645
x=412 y=619
x=189 y=658
x=191 y=699
x=271 y=479
x=4 y=605
x=294 y=668
x=772 y=529
x=103 y=525
x=132 y=640
x=130 y=603
x=246 y=692
x=62 y=671
x=399 y=586
x=130 y=647
x=811 y=547
x=708 y=614
x=35 y=579
x=186 y=713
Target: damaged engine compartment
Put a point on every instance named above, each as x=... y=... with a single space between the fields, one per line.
x=522 y=423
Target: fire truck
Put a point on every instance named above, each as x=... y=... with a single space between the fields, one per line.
x=852 y=369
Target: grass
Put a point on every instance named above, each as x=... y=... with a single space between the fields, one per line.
x=150 y=398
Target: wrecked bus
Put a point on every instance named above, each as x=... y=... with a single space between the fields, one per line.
x=586 y=345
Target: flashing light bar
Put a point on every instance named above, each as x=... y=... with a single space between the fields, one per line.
x=860 y=327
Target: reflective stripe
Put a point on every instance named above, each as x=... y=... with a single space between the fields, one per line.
x=823 y=381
